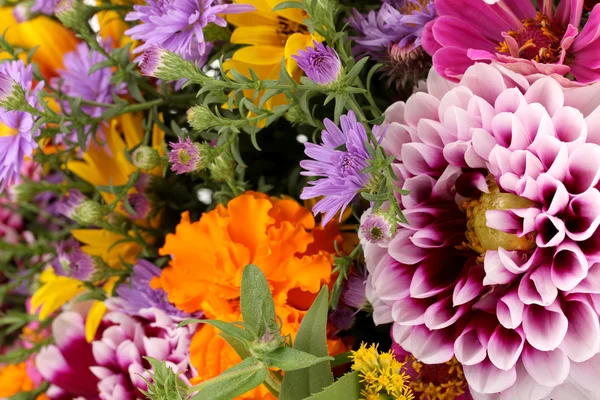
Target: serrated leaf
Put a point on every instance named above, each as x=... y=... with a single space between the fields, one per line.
x=290 y=359
x=347 y=388
x=256 y=302
x=311 y=338
x=227 y=328
x=235 y=381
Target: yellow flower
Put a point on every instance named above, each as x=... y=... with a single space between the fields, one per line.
x=54 y=292
x=271 y=36
x=51 y=39
x=381 y=374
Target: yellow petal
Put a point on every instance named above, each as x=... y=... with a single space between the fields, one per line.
x=293 y=14
x=256 y=18
x=93 y=320
x=265 y=35
x=52 y=39
x=54 y=293
x=295 y=43
x=113 y=27
x=259 y=55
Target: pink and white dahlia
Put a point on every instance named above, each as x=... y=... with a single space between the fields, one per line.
x=499 y=263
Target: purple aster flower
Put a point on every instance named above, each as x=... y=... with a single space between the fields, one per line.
x=76 y=80
x=185 y=156
x=70 y=203
x=140 y=204
x=152 y=60
x=321 y=64
x=136 y=294
x=340 y=161
x=16 y=136
x=44 y=6
x=376 y=227
x=72 y=261
x=177 y=25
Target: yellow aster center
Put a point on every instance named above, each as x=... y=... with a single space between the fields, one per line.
x=480 y=236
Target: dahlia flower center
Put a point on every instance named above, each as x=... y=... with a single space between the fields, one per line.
x=287 y=28
x=538 y=40
x=482 y=238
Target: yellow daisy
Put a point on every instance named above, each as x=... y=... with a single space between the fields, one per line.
x=270 y=36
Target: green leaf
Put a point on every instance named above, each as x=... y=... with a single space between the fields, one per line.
x=229 y=329
x=356 y=70
x=258 y=309
x=311 y=338
x=289 y=359
x=287 y=4
x=165 y=384
x=235 y=381
x=347 y=388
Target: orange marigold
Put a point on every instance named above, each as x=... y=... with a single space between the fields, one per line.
x=14 y=379
x=208 y=257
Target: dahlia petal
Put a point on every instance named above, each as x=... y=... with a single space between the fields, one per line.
x=468 y=348
x=396 y=136
x=421 y=106
x=495 y=271
x=569 y=266
x=547 y=92
x=590 y=283
x=582 y=340
x=592 y=122
x=510 y=101
x=509 y=310
x=505 y=346
x=402 y=249
x=586 y=373
x=437 y=86
x=509 y=131
x=442 y=314
x=552 y=194
x=502 y=220
x=549 y=368
x=400 y=333
x=395 y=113
x=583 y=215
x=569 y=125
x=526 y=388
x=469 y=286
x=420 y=188
x=454 y=153
x=419 y=158
x=433 y=133
x=486 y=378
x=103 y=354
x=459 y=97
x=551 y=230
x=484 y=81
x=544 y=327
x=583 y=171
x=471 y=184
x=127 y=354
x=483 y=142
x=429 y=279
x=430 y=347
x=536 y=287
x=410 y=311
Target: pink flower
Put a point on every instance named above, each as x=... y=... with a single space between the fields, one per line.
x=499 y=264
x=527 y=40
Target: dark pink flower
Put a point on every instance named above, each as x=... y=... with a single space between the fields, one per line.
x=547 y=40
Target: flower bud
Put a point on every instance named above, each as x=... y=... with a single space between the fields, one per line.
x=268 y=343
x=12 y=95
x=222 y=168
x=146 y=158
x=295 y=115
x=377 y=226
x=321 y=64
x=25 y=191
x=74 y=14
x=202 y=119
x=163 y=64
x=90 y=212
x=187 y=156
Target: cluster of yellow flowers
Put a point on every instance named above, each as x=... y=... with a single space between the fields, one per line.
x=382 y=376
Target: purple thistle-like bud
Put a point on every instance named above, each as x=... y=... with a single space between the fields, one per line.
x=355 y=294
x=151 y=61
x=140 y=204
x=187 y=156
x=321 y=64
x=70 y=203
x=6 y=87
x=376 y=227
x=71 y=261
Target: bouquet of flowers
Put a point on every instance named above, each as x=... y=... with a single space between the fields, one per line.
x=300 y=200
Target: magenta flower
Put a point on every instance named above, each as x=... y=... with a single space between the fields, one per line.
x=176 y=25
x=321 y=64
x=184 y=156
x=66 y=364
x=527 y=40
x=16 y=136
x=498 y=263
x=339 y=161
x=126 y=340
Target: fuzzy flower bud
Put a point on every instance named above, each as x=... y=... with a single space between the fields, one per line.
x=223 y=168
x=140 y=205
x=202 y=119
x=268 y=343
x=70 y=203
x=74 y=14
x=377 y=227
x=146 y=158
x=90 y=212
x=163 y=64
x=187 y=156
x=295 y=115
x=12 y=95
x=25 y=191
x=321 y=64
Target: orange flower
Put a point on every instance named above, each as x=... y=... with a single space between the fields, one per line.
x=52 y=39
x=208 y=257
x=14 y=379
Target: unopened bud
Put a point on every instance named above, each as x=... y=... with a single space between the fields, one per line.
x=146 y=158
x=163 y=64
x=12 y=95
x=90 y=212
x=74 y=14
x=222 y=168
x=202 y=119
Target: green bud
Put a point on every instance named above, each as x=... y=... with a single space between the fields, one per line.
x=25 y=191
x=74 y=14
x=90 y=212
x=222 y=168
x=168 y=66
x=146 y=158
x=12 y=95
x=213 y=33
x=202 y=119
x=269 y=342
x=295 y=115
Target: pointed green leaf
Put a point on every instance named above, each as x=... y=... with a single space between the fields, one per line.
x=227 y=328
x=289 y=359
x=347 y=388
x=258 y=309
x=235 y=381
x=311 y=338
